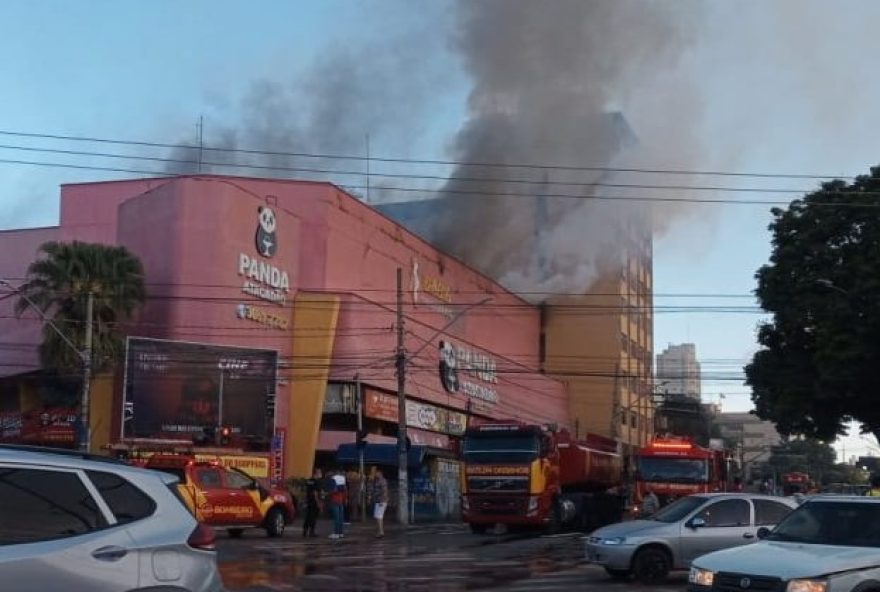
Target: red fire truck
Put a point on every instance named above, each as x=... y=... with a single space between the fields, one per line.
x=673 y=467
x=795 y=482
x=529 y=475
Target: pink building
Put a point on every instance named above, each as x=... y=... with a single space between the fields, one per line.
x=294 y=284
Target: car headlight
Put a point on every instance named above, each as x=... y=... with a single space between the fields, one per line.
x=807 y=586
x=533 y=503
x=614 y=541
x=465 y=505
x=701 y=577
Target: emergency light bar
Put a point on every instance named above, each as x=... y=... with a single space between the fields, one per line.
x=672 y=445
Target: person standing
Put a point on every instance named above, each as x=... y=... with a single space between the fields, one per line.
x=313 y=503
x=379 y=497
x=337 y=505
x=650 y=504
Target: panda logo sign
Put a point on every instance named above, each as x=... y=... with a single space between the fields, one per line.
x=267 y=243
x=448 y=369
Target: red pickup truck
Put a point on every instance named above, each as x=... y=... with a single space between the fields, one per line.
x=227 y=498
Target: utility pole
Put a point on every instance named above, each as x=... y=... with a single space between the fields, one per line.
x=85 y=442
x=201 y=130
x=85 y=356
x=402 y=483
x=362 y=493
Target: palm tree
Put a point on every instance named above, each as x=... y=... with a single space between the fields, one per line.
x=59 y=284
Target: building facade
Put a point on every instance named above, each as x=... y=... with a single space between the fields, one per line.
x=752 y=437
x=600 y=342
x=272 y=311
x=678 y=371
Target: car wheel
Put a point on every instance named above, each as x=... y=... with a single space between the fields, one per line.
x=651 y=565
x=618 y=574
x=479 y=528
x=275 y=523
x=235 y=533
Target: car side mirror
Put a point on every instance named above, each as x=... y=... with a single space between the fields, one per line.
x=697 y=522
x=763 y=532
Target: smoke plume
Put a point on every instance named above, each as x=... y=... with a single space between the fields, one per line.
x=568 y=82
x=561 y=83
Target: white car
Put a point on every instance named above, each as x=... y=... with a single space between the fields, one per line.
x=829 y=544
x=74 y=522
x=682 y=531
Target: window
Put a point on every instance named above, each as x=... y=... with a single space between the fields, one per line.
x=237 y=480
x=127 y=502
x=768 y=513
x=209 y=478
x=40 y=505
x=732 y=512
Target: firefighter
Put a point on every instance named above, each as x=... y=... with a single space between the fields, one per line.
x=650 y=504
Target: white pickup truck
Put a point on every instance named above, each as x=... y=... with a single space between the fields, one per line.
x=829 y=544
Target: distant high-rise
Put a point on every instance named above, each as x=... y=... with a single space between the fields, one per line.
x=678 y=371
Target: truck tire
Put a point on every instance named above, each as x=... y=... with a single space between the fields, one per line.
x=479 y=528
x=618 y=574
x=651 y=565
x=554 y=526
x=235 y=533
x=275 y=522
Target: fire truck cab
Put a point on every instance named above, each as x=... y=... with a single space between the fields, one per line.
x=674 y=467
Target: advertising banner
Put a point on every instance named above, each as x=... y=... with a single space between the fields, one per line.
x=50 y=426
x=424 y=416
x=177 y=389
x=380 y=406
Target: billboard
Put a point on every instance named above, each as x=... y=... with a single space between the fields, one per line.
x=176 y=389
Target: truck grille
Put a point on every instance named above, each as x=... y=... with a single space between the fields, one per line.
x=731 y=582
x=499 y=506
x=491 y=484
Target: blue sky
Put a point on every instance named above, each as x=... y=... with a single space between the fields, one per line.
x=782 y=89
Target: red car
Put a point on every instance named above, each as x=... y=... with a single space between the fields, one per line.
x=227 y=497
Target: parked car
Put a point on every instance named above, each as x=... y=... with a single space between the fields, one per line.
x=829 y=544
x=69 y=521
x=682 y=531
x=228 y=498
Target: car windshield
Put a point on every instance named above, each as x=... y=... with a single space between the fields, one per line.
x=500 y=449
x=673 y=470
x=851 y=524
x=678 y=509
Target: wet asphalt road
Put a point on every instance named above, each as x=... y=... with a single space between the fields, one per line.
x=442 y=558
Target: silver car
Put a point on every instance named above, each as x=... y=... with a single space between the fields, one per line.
x=76 y=523
x=682 y=531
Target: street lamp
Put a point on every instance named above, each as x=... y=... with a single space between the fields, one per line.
x=85 y=355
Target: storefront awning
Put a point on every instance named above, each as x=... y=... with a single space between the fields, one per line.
x=379 y=454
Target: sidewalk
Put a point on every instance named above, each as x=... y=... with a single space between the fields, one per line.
x=367 y=530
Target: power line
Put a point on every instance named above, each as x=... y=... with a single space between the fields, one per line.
x=596 y=198
x=409 y=176
x=419 y=161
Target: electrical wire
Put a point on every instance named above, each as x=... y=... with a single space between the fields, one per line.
x=536 y=166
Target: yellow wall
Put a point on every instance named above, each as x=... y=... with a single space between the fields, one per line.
x=101 y=411
x=314 y=322
x=585 y=345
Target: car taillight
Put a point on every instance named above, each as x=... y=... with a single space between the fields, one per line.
x=202 y=538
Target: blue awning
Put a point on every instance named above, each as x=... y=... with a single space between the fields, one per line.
x=379 y=454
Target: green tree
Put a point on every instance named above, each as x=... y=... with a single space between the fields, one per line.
x=813 y=457
x=818 y=368
x=59 y=283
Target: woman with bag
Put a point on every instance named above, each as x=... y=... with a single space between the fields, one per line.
x=379 y=497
